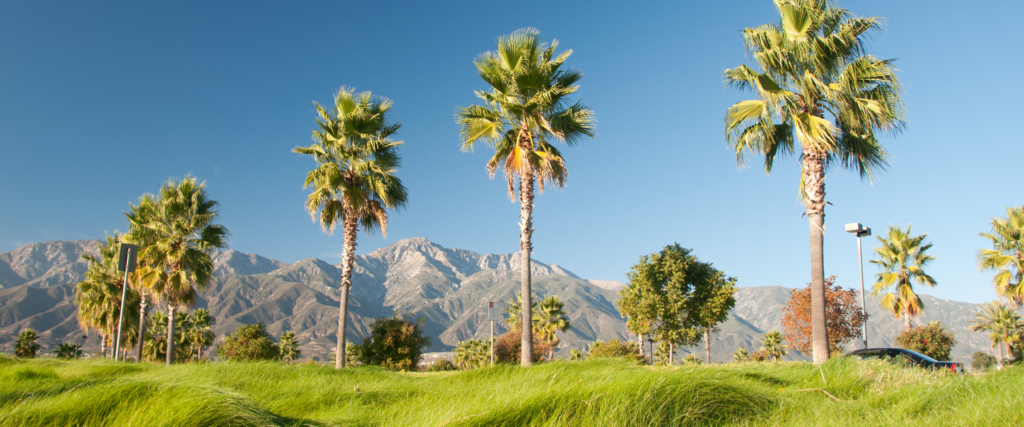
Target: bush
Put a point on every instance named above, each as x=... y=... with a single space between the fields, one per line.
x=982 y=361
x=615 y=348
x=760 y=356
x=508 y=347
x=249 y=343
x=473 y=353
x=395 y=344
x=693 y=359
x=931 y=340
x=443 y=365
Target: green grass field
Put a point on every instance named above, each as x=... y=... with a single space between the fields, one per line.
x=48 y=392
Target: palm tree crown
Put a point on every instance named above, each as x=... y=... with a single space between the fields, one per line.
x=354 y=180
x=902 y=259
x=772 y=344
x=1006 y=257
x=1003 y=324
x=525 y=111
x=815 y=86
x=176 y=234
x=98 y=297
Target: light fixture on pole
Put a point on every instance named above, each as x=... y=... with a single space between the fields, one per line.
x=861 y=231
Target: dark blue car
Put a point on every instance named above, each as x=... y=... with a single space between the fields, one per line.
x=902 y=356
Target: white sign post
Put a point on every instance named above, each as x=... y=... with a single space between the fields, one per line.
x=494 y=315
x=127 y=260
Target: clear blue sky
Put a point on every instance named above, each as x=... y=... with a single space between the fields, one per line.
x=100 y=103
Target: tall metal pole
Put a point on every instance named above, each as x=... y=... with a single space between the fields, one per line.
x=863 y=304
x=124 y=295
x=492 y=343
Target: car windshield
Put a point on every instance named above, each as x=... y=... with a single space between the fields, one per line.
x=919 y=355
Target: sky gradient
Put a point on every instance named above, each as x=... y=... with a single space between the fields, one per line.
x=102 y=103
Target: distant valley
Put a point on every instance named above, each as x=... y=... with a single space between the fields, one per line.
x=449 y=288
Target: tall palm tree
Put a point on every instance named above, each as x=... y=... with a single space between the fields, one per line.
x=177 y=235
x=1003 y=325
x=140 y=235
x=354 y=180
x=771 y=343
x=902 y=259
x=817 y=88
x=26 y=346
x=98 y=297
x=525 y=111
x=551 y=318
x=1006 y=257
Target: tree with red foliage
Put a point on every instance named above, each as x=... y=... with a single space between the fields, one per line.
x=844 y=316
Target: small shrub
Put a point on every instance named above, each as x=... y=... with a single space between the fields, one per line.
x=760 y=356
x=982 y=361
x=932 y=340
x=617 y=349
x=249 y=343
x=395 y=344
x=68 y=351
x=26 y=346
x=442 y=365
x=576 y=355
x=508 y=347
x=693 y=359
x=289 y=346
x=473 y=353
x=740 y=356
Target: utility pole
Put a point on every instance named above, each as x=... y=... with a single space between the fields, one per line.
x=861 y=231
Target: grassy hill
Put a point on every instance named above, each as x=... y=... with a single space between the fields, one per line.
x=47 y=392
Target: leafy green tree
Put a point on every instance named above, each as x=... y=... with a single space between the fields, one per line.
x=740 y=356
x=902 y=259
x=25 y=347
x=249 y=343
x=176 y=235
x=614 y=348
x=1003 y=324
x=354 y=180
x=932 y=340
x=1006 y=257
x=525 y=111
x=815 y=87
x=473 y=353
x=395 y=344
x=98 y=297
x=289 y=346
x=550 y=319
x=771 y=343
x=673 y=296
x=716 y=309
x=981 y=362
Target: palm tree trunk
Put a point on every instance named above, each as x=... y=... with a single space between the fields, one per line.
x=170 y=334
x=103 y=345
x=142 y=328
x=707 y=344
x=348 y=259
x=640 y=341
x=814 y=201
x=906 y=322
x=525 y=247
x=671 y=354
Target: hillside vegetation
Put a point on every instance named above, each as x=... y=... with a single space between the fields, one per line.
x=48 y=392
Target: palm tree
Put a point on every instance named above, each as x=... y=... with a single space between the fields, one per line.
x=740 y=355
x=473 y=353
x=177 y=236
x=1003 y=324
x=199 y=331
x=551 y=318
x=289 y=346
x=68 y=351
x=354 y=181
x=525 y=111
x=514 y=312
x=771 y=343
x=815 y=86
x=98 y=297
x=155 y=338
x=902 y=259
x=25 y=347
x=1006 y=257
x=140 y=235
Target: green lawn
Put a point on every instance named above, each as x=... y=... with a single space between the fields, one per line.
x=45 y=392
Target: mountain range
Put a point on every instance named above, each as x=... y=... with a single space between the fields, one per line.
x=448 y=288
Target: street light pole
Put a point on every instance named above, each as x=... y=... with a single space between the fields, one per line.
x=861 y=231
